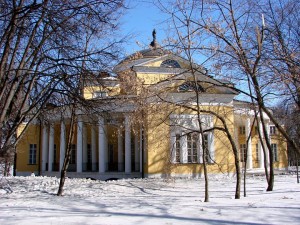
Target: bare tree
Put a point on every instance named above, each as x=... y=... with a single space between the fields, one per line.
x=288 y=114
x=42 y=42
x=233 y=35
x=282 y=46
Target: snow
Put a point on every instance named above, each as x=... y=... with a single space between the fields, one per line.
x=32 y=200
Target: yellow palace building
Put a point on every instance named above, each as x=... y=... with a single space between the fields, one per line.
x=146 y=122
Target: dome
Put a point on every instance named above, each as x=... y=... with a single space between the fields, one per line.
x=154 y=50
x=148 y=53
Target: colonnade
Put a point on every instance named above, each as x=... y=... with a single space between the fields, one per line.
x=249 y=142
x=48 y=136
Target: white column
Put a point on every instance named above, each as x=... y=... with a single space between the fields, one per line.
x=249 y=143
x=211 y=146
x=79 y=146
x=172 y=145
x=127 y=145
x=51 y=148
x=84 y=148
x=93 y=148
x=120 y=150
x=44 y=147
x=200 y=149
x=136 y=151
x=102 y=146
x=183 y=153
x=62 y=148
x=260 y=148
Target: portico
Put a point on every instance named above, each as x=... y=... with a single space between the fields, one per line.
x=109 y=145
x=247 y=136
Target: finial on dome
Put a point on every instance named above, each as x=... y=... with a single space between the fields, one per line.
x=154 y=34
x=153 y=44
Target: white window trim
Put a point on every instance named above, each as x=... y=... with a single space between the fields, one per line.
x=243 y=148
x=178 y=127
x=32 y=154
x=274 y=148
x=242 y=130
x=100 y=94
x=272 y=130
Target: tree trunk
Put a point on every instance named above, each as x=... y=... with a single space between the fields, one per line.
x=271 y=155
x=245 y=174
x=297 y=172
x=206 y=199
x=65 y=166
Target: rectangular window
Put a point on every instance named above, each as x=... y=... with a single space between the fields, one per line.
x=192 y=140
x=32 y=154
x=275 y=152
x=192 y=148
x=256 y=130
x=242 y=130
x=177 y=149
x=89 y=153
x=73 y=154
x=243 y=152
x=99 y=94
x=111 y=153
x=55 y=154
x=272 y=130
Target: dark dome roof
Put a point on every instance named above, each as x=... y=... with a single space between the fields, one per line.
x=148 y=53
x=154 y=52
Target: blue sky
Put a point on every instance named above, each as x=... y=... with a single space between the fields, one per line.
x=140 y=19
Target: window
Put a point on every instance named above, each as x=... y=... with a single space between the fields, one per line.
x=32 y=154
x=256 y=130
x=177 y=149
x=275 y=152
x=73 y=154
x=192 y=140
x=243 y=153
x=272 y=130
x=187 y=148
x=99 y=94
x=190 y=86
x=257 y=152
x=242 y=130
x=111 y=152
x=187 y=145
x=170 y=63
x=89 y=153
x=55 y=154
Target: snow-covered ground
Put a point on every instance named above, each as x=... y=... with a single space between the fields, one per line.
x=32 y=200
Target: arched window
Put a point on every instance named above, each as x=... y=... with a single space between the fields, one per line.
x=170 y=63
x=190 y=86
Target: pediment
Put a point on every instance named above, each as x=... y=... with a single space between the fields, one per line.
x=163 y=63
x=166 y=61
x=188 y=82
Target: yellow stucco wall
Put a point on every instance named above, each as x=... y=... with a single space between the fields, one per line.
x=157 y=159
x=111 y=91
x=275 y=139
x=159 y=146
x=282 y=151
x=31 y=136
